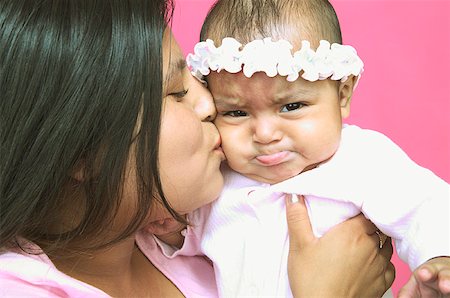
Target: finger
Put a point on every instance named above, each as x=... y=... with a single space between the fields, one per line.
x=387 y=250
x=382 y=265
x=299 y=225
x=383 y=259
x=427 y=274
x=384 y=280
x=426 y=277
x=410 y=289
x=385 y=238
x=389 y=275
x=444 y=282
x=439 y=268
x=386 y=253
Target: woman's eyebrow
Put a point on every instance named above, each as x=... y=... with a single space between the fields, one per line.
x=174 y=67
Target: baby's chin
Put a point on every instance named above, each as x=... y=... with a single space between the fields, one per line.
x=271 y=179
x=274 y=175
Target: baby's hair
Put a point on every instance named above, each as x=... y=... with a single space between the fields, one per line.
x=247 y=20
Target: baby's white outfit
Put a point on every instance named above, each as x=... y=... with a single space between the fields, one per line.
x=245 y=234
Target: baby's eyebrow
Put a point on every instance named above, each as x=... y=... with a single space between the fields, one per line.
x=226 y=102
x=294 y=94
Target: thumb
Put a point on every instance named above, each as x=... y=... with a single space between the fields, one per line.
x=299 y=225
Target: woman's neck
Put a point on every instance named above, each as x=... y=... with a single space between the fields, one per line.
x=121 y=271
x=99 y=268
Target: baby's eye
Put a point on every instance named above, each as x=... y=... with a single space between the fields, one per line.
x=291 y=107
x=237 y=113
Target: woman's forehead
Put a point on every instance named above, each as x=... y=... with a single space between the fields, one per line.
x=173 y=59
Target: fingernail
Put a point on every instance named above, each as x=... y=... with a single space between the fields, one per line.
x=294 y=199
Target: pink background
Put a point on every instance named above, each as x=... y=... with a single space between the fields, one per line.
x=405 y=89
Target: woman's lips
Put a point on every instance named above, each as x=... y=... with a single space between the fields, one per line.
x=218 y=143
x=272 y=159
x=218 y=148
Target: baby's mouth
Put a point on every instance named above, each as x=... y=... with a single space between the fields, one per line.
x=272 y=159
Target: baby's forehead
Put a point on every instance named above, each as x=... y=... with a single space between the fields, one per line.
x=236 y=88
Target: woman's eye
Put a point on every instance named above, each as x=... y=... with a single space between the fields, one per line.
x=237 y=113
x=179 y=94
x=291 y=107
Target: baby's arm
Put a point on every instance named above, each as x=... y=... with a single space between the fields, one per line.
x=405 y=201
x=431 y=279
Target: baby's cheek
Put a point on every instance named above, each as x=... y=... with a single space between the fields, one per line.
x=308 y=127
x=234 y=152
x=231 y=141
x=316 y=141
x=220 y=124
x=231 y=151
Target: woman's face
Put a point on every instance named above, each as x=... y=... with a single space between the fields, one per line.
x=189 y=149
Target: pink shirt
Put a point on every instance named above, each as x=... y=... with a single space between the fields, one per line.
x=28 y=275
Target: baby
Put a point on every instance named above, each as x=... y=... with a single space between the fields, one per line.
x=282 y=86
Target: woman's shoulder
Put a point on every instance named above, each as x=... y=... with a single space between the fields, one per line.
x=22 y=275
x=34 y=275
x=192 y=274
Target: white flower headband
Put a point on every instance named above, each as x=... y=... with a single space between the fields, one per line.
x=336 y=61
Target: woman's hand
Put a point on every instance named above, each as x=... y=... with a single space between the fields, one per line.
x=345 y=262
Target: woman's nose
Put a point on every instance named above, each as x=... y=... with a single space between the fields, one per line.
x=204 y=105
x=265 y=130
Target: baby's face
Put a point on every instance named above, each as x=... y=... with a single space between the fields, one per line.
x=273 y=129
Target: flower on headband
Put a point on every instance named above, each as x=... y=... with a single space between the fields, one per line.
x=334 y=61
x=285 y=65
x=267 y=56
x=324 y=64
x=306 y=61
x=230 y=56
x=198 y=61
x=345 y=62
x=207 y=57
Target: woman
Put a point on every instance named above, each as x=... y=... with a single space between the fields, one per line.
x=92 y=158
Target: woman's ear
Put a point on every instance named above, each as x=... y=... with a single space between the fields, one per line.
x=345 y=95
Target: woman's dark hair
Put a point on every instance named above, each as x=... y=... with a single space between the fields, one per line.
x=80 y=81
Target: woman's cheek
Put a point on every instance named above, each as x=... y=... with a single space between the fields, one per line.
x=180 y=131
x=182 y=156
